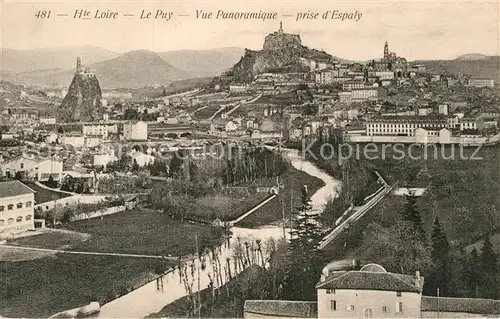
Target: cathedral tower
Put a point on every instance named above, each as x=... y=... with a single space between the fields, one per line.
x=281 y=27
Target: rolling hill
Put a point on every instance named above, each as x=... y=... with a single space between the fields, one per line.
x=136 y=69
x=61 y=58
x=473 y=57
x=204 y=62
x=487 y=67
x=55 y=67
x=133 y=69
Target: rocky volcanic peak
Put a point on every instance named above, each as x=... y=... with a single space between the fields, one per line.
x=276 y=41
x=83 y=100
x=280 y=50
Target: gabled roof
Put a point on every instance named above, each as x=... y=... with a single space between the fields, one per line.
x=14 y=188
x=364 y=280
x=282 y=308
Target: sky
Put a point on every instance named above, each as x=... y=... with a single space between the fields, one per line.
x=415 y=30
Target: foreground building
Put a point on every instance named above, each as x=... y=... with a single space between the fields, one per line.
x=372 y=292
x=17 y=203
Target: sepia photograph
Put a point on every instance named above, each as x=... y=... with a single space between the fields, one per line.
x=249 y=159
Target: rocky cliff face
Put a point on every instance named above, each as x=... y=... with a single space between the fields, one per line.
x=83 y=100
x=280 y=50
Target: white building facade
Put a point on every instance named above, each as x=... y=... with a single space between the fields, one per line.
x=371 y=292
x=100 y=130
x=135 y=131
x=403 y=125
x=17 y=203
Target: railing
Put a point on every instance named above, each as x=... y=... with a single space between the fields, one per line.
x=339 y=227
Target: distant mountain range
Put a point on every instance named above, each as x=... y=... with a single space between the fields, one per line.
x=55 y=67
x=475 y=65
x=62 y=58
x=474 y=57
x=204 y=63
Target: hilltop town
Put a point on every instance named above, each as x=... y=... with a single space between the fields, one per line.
x=123 y=185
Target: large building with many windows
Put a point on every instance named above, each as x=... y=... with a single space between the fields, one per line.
x=363 y=94
x=100 y=130
x=480 y=83
x=17 y=203
x=404 y=125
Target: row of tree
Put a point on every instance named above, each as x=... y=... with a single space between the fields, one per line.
x=235 y=165
x=403 y=246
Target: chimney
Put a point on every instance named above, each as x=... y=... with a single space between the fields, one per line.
x=418 y=279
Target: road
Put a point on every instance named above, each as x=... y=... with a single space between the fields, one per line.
x=89 y=253
x=358 y=213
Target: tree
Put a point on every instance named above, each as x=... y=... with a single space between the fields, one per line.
x=193 y=172
x=125 y=162
x=440 y=255
x=488 y=263
x=19 y=175
x=176 y=163
x=306 y=260
x=488 y=257
x=51 y=182
x=130 y=114
x=411 y=214
x=398 y=248
x=135 y=166
x=158 y=168
x=459 y=274
x=440 y=244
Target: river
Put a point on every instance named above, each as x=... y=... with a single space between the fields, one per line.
x=149 y=298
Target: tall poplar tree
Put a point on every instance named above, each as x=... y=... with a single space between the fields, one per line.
x=305 y=258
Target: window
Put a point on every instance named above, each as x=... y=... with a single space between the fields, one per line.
x=28 y=217
x=2 y=208
x=368 y=313
x=10 y=221
x=333 y=305
x=399 y=307
x=398 y=293
x=2 y=222
x=349 y=308
x=22 y=165
x=28 y=204
x=330 y=291
x=19 y=205
x=384 y=309
x=10 y=207
x=19 y=219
